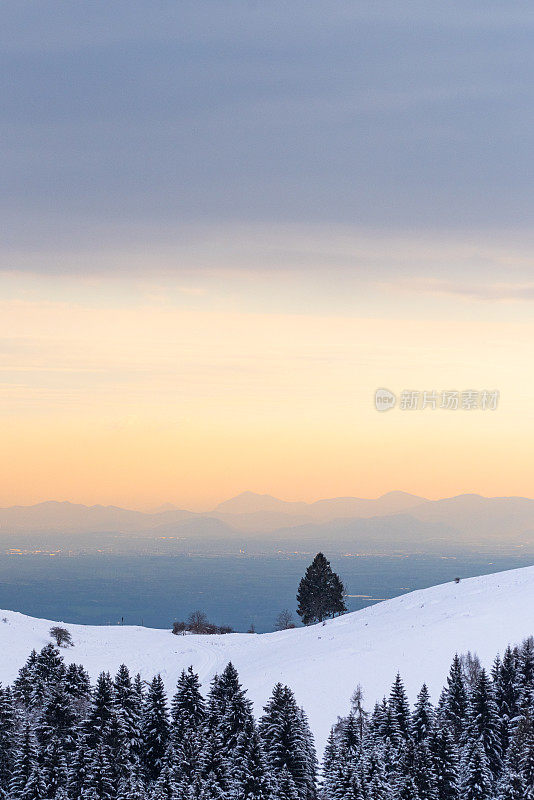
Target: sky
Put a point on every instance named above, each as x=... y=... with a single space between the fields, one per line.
x=225 y=225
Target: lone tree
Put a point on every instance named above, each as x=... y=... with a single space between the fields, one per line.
x=61 y=636
x=321 y=592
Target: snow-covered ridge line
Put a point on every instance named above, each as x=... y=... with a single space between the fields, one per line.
x=416 y=634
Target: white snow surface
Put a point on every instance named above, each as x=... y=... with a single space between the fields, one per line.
x=416 y=634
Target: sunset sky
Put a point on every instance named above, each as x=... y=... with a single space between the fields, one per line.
x=226 y=224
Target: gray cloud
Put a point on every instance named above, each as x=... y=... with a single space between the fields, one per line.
x=129 y=122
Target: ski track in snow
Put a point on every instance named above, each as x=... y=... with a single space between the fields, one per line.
x=416 y=634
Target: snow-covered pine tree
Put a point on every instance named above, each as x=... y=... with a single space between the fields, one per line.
x=77 y=684
x=525 y=680
x=165 y=787
x=284 y=787
x=100 y=773
x=400 y=708
x=48 y=670
x=311 y=755
x=407 y=789
x=24 y=762
x=188 y=717
x=375 y=784
x=249 y=776
x=424 y=773
x=330 y=766
x=188 y=708
x=476 y=777
x=511 y=785
x=8 y=728
x=35 y=788
x=446 y=763
x=235 y=709
x=119 y=749
x=423 y=716
x=79 y=770
x=389 y=725
x=349 y=736
x=53 y=766
x=483 y=722
x=58 y=719
x=506 y=695
x=346 y=783
x=155 y=730
x=23 y=685
x=128 y=709
x=285 y=740
x=212 y=779
x=453 y=700
x=97 y=722
x=525 y=741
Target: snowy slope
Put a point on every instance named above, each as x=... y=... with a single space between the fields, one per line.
x=416 y=634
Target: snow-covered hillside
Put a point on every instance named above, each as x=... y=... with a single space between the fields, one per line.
x=416 y=634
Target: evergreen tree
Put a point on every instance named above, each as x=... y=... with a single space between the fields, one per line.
x=234 y=709
x=483 y=722
x=423 y=716
x=78 y=685
x=97 y=723
x=58 y=719
x=165 y=787
x=53 y=766
x=35 y=788
x=512 y=785
x=212 y=780
x=47 y=671
x=453 y=701
x=526 y=758
x=284 y=786
x=375 y=783
x=79 y=771
x=100 y=773
x=400 y=708
x=24 y=763
x=23 y=685
x=445 y=759
x=408 y=789
x=506 y=695
x=349 y=736
x=423 y=772
x=320 y=593
x=285 y=740
x=128 y=710
x=345 y=783
x=525 y=680
x=8 y=728
x=477 y=782
x=188 y=710
x=155 y=732
x=248 y=770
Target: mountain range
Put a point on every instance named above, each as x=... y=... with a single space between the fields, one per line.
x=395 y=516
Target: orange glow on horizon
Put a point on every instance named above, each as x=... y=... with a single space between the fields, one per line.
x=141 y=404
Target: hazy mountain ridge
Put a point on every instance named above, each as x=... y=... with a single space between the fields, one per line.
x=394 y=517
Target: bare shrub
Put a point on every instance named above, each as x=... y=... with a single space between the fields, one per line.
x=284 y=621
